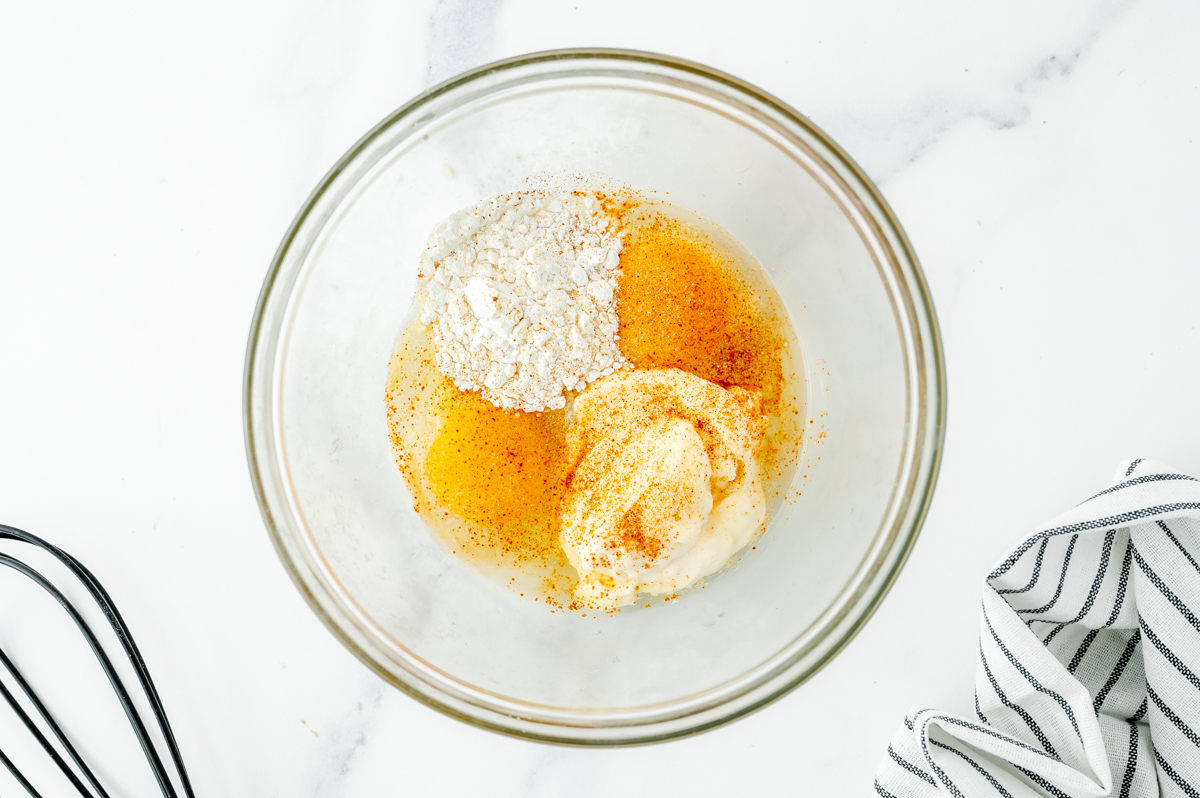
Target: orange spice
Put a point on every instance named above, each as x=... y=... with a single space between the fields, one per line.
x=679 y=305
x=618 y=204
x=489 y=466
x=498 y=470
x=635 y=533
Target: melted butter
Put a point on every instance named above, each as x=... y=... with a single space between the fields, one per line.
x=489 y=466
x=485 y=480
x=681 y=305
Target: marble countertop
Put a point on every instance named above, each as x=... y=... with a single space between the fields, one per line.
x=1045 y=161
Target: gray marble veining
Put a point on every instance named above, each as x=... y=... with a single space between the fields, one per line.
x=461 y=34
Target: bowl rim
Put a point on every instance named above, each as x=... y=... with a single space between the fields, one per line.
x=913 y=506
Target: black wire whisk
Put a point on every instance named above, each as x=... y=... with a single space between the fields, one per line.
x=81 y=772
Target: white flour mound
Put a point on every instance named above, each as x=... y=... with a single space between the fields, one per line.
x=519 y=289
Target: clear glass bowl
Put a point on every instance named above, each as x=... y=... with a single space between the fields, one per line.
x=341 y=286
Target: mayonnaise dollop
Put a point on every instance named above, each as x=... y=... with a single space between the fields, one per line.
x=663 y=486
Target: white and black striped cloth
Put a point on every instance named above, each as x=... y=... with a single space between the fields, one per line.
x=1088 y=677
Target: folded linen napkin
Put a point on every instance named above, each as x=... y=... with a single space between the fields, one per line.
x=1088 y=676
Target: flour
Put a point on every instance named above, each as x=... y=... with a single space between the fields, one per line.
x=519 y=290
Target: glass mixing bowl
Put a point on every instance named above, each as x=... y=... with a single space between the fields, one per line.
x=341 y=286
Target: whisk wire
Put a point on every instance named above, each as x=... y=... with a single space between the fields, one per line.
x=37 y=733
x=17 y=775
x=100 y=596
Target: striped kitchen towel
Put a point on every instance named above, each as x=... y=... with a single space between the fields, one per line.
x=1088 y=676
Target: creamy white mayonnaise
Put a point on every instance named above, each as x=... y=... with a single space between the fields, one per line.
x=664 y=486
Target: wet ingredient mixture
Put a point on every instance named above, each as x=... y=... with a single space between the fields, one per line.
x=624 y=414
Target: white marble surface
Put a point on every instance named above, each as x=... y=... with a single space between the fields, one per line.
x=1044 y=160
